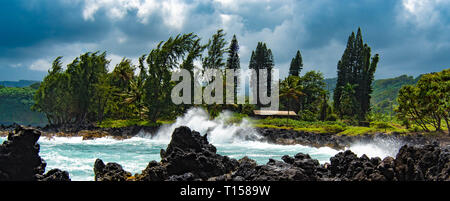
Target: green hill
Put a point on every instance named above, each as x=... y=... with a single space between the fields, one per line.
x=15 y=103
x=20 y=83
x=384 y=93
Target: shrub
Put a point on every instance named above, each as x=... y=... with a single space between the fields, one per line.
x=307 y=115
x=381 y=125
x=332 y=117
x=334 y=128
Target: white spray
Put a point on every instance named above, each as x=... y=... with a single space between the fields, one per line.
x=218 y=130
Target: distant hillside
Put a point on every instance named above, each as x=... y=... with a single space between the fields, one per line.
x=15 y=103
x=330 y=84
x=385 y=91
x=20 y=83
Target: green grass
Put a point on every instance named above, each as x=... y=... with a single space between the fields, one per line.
x=109 y=123
x=337 y=127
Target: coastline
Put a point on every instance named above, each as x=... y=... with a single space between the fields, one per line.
x=270 y=135
x=190 y=157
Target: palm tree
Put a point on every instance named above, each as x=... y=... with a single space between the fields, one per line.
x=291 y=90
x=135 y=96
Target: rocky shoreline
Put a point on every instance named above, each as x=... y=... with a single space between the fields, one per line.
x=190 y=157
x=271 y=135
x=290 y=137
x=88 y=132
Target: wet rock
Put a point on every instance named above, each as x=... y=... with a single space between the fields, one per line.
x=184 y=177
x=246 y=168
x=189 y=152
x=279 y=171
x=19 y=157
x=55 y=175
x=190 y=157
x=428 y=162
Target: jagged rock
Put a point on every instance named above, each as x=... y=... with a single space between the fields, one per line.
x=109 y=172
x=279 y=171
x=245 y=169
x=188 y=152
x=55 y=175
x=190 y=157
x=19 y=157
x=428 y=162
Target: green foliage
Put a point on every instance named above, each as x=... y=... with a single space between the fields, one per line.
x=356 y=68
x=292 y=123
x=305 y=95
x=290 y=93
x=233 y=62
x=74 y=96
x=261 y=58
x=111 y=123
x=15 y=106
x=385 y=91
x=123 y=91
x=335 y=128
x=160 y=62
x=216 y=49
x=427 y=103
x=332 y=117
x=313 y=84
x=307 y=115
x=381 y=125
x=247 y=109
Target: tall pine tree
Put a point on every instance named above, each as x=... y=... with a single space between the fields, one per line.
x=233 y=62
x=262 y=58
x=356 y=68
x=296 y=64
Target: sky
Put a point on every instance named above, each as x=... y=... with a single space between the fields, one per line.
x=411 y=36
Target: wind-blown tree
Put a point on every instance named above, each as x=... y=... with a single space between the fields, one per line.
x=296 y=65
x=133 y=97
x=52 y=96
x=188 y=64
x=76 y=95
x=357 y=68
x=160 y=62
x=233 y=62
x=85 y=73
x=261 y=58
x=216 y=50
x=120 y=82
x=215 y=60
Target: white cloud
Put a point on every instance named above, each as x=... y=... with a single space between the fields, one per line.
x=423 y=13
x=40 y=65
x=172 y=12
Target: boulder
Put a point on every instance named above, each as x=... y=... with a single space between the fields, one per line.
x=419 y=163
x=109 y=172
x=20 y=160
x=188 y=152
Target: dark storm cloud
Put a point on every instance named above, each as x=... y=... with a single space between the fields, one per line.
x=411 y=38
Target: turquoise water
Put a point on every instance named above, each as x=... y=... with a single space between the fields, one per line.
x=78 y=156
x=236 y=141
